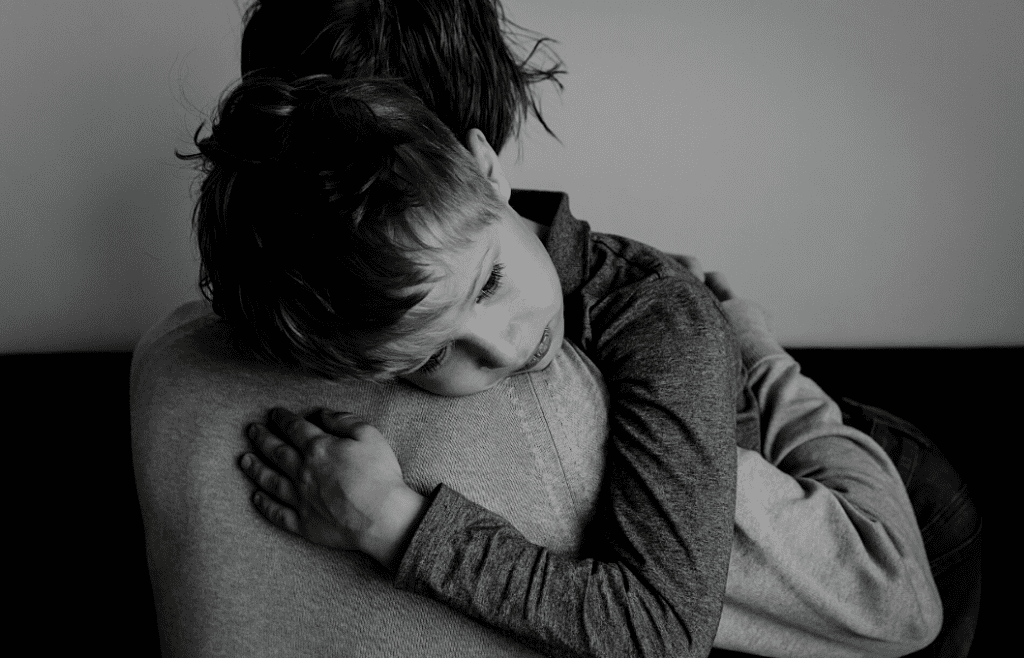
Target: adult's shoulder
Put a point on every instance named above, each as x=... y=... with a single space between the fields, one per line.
x=224 y=580
x=193 y=392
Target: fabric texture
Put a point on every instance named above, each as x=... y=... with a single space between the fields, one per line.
x=635 y=598
x=827 y=559
x=950 y=522
x=227 y=583
x=653 y=581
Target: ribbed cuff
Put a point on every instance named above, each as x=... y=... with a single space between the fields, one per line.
x=444 y=507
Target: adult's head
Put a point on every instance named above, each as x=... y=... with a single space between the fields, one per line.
x=344 y=230
x=468 y=63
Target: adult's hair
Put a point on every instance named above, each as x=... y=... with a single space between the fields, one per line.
x=321 y=202
x=468 y=63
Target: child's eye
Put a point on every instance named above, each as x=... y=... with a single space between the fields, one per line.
x=434 y=362
x=493 y=282
x=491 y=287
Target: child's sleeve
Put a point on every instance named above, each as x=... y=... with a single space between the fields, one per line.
x=655 y=578
x=827 y=558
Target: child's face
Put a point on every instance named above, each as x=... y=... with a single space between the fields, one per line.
x=503 y=312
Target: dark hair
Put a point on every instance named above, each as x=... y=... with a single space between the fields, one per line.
x=468 y=63
x=321 y=202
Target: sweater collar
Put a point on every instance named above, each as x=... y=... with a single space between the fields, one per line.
x=568 y=238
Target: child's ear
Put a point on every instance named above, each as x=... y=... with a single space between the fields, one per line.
x=488 y=162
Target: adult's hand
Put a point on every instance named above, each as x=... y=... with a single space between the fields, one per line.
x=714 y=280
x=746 y=316
x=693 y=264
x=719 y=285
x=335 y=482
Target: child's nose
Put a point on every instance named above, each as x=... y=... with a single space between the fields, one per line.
x=493 y=346
x=495 y=352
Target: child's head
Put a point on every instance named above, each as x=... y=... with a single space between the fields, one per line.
x=343 y=229
x=457 y=55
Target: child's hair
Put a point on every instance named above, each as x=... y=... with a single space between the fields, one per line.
x=469 y=64
x=321 y=202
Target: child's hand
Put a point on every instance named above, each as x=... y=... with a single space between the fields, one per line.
x=340 y=486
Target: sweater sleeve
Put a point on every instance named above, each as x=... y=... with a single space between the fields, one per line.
x=827 y=556
x=654 y=578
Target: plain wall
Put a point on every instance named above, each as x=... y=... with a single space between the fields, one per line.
x=857 y=167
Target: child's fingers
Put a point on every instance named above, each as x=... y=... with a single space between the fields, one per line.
x=276 y=513
x=294 y=428
x=719 y=285
x=279 y=453
x=269 y=480
x=342 y=423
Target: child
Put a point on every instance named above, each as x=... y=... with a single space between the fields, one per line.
x=375 y=245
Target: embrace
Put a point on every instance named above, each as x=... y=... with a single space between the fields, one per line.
x=475 y=426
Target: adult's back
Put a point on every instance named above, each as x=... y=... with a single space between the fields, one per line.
x=227 y=583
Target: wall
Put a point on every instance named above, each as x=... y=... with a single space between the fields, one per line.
x=857 y=167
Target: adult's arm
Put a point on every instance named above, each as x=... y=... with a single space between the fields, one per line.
x=671 y=364
x=827 y=557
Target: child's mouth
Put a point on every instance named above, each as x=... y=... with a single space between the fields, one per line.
x=542 y=349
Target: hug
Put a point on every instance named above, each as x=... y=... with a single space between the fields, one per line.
x=529 y=436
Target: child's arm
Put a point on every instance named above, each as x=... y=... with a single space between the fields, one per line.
x=823 y=522
x=656 y=586
x=655 y=582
